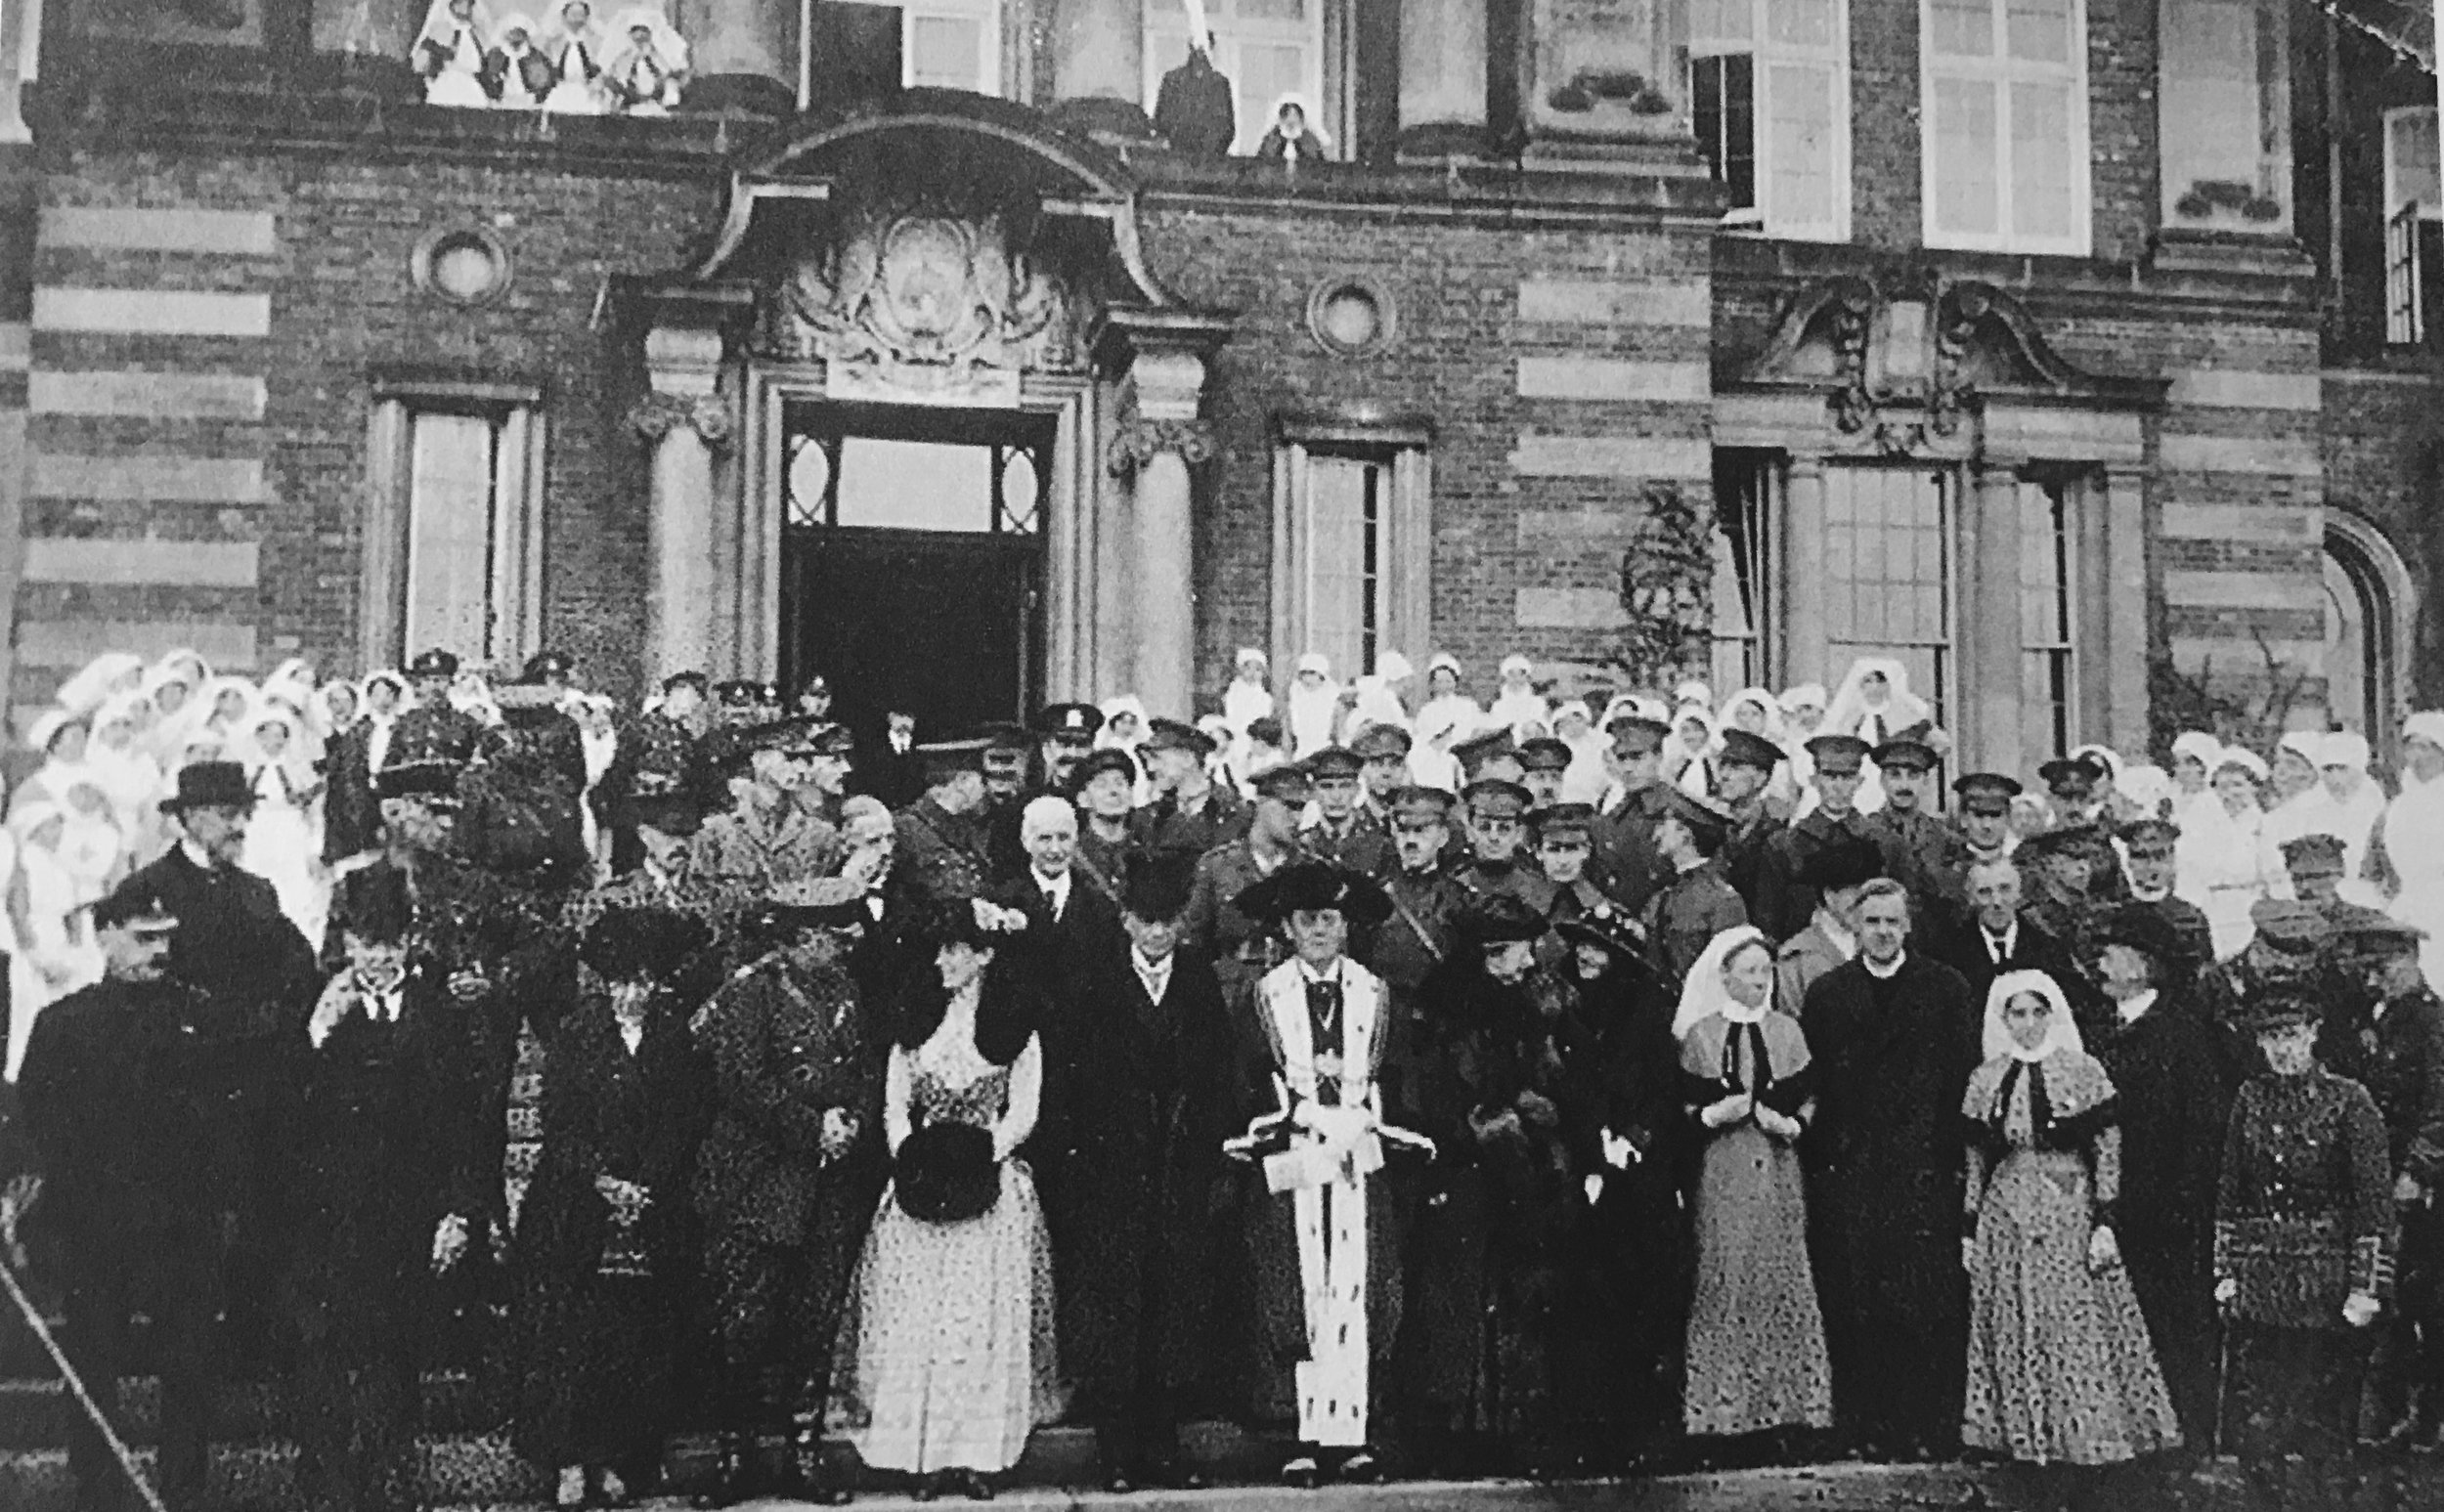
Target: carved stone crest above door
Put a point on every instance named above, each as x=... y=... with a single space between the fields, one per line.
x=927 y=295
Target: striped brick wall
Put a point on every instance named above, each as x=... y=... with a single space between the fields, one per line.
x=2240 y=487
x=146 y=486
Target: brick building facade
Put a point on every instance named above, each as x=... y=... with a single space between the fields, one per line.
x=1972 y=361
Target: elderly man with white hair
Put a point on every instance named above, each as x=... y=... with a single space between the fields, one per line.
x=1067 y=919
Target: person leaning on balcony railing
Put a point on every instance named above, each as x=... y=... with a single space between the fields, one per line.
x=516 y=74
x=449 y=54
x=576 y=48
x=649 y=66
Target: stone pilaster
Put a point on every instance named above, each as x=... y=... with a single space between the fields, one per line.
x=1160 y=438
x=682 y=421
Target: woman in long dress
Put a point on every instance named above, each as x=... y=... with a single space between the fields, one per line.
x=2061 y=1371
x=54 y=951
x=1755 y=1339
x=2221 y=857
x=948 y=1344
x=576 y=50
x=606 y=1224
x=2412 y=837
x=285 y=838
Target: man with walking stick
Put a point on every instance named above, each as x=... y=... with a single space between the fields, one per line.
x=144 y=1180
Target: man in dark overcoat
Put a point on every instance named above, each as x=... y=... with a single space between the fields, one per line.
x=1139 y=1210
x=144 y=1169
x=1894 y=1040
x=258 y=976
x=787 y=1180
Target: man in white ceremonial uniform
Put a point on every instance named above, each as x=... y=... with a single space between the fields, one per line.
x=1324 y=1250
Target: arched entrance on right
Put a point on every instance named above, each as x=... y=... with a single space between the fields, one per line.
x=2371 y=608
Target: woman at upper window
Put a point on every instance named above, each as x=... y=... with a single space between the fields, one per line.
x=576 y=50
x=450 y=52
x=515 y=71
x=1291 y=139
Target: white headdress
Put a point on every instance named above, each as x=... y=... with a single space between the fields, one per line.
x=2062 y=1032
x=1704 y=992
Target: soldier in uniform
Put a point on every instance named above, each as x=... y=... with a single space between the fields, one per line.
x=2397 y=1051
x=2148 y=852
x=431 y=721
x=1385 y=749
x=1496 y=821
x=1424 y=897
x=768 y=836
x=1918 y=848
x=1625 y=840
x=1984 y=829
x=2303 y=1222
x=1565 y=846
x=1542 y=762
x=940 y=838
x=1489 y=756
x=1784 y=903
x=1064 y=736
x=1107 y=800
x=789 y=1175
x=1743 y=769
x=2072 y=880
x=145 y=1173
x=1243 y=948
x=1837 y=871
x=1189 y=814
x=1699 y=902
x=2080 y=787
x=1341 y=830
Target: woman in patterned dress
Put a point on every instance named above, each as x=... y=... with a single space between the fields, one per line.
x=949 y=1358
x=1755 y=1339
x=2061 y=1371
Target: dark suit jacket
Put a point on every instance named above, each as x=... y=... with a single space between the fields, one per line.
x=352 y=818
x=236 y=946
x=2033 y=949
x=1058 y=953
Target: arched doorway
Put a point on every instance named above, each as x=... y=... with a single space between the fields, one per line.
x=2368 y=628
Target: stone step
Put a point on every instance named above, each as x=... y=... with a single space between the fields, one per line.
x=34 y=1414
x=481 y=1473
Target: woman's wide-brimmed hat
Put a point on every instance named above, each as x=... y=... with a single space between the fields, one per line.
x=945 y=1174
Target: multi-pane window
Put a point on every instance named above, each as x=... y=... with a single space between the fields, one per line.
x=1769 y=94
x=2048 y=589
x=1743 y=569
x=951 y=44
x=453 y=535
x=2005 y=107
x=2413 y=215
x=888 y=483
x=1353 y=543
x=1267 y=49
x=1887 y=572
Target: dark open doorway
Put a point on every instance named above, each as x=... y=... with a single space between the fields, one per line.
x=912 y=562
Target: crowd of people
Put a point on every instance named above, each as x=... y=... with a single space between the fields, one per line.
x=1576 y=1086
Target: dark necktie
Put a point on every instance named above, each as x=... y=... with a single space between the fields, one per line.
x=2041 y=1108
x=1324 y=1032
x=1997 y=946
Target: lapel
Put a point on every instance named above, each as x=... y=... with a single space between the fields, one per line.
x=1285 y=993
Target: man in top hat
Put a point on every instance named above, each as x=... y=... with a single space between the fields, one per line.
x=1496 y=811
x=940 y=838
x=2174 y=1072
x=1385 y=749
x=146 y=1169
x=1189 y=814
x=1894 y=1037
x=1839 y=871
x=2395 y=1049
x=2149 y=849
x=2304 y=1223
x=2079 y=787
x=1340 y=830
x=1542 y=762
x=1699 y=902
x=1918 y=848
x=1743 y=770
x=257 y=974
x=1324 y=1246
x=769 y=835
x=1784 y=904
x=789 y=1176
x=1625 y=840
x=1243 y=948
x=1138 y=1117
